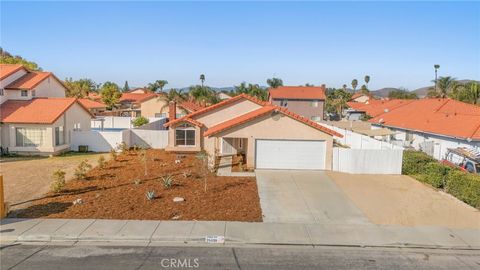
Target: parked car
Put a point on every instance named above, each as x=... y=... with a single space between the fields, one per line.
x=463 y=158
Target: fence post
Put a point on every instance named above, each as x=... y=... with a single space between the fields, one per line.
x=3 y=211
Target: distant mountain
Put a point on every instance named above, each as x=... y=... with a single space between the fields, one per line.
x=383 y=92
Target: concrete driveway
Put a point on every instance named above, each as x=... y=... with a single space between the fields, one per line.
x=304 y=197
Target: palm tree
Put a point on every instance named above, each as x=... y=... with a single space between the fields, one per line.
x=253 y=90
x=367 y=79
x=158 y=84
x=436 y=67
x=204 y=95
x=161 y=84
x=202 y=78
x=344 y=87
x=274 y=82
x=468 y=92
x=354 y=84
x=444 y=86
x=172 y=95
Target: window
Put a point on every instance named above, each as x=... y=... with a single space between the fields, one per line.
x=77 y=127
x=316 y=118
x=24 y=93
x=284 y=103
x=314 y=103
x=185 y=135
x=469 y=167
x=1 y=91
x=34 y=93
x=59 y=136
x=161 y=115
x=26 y=137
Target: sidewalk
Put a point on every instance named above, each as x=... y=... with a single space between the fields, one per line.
x=235 y=233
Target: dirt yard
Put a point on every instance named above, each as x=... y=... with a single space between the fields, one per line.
x=28 y=178
x=402 y=200
x=118 y=191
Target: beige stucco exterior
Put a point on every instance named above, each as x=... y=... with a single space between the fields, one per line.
x=362 y=99
x=158 y=106
x=227 y=112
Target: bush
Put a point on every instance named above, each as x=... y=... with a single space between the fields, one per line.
x=465 y=186
x=414 y=162
x=435 y=174
x=101 y=161
x=82 y=169
x=140 y=121
x=58 y=181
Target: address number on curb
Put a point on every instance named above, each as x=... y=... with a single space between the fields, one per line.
x=215 y=239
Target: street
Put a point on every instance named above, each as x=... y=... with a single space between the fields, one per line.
x=19 y=256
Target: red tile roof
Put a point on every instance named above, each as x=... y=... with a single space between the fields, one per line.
x=376 y=107
x=35 y=111
x=137 y=97
x=262 y=111
x=445 y=117
x=94 y=96
x=218 y=105
x=91 y=104
x=29 y=81
x=8 y=69
x=298 y=92
x=360 y=94
x=190 y=106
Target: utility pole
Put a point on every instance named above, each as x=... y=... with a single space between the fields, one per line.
x=436 y=66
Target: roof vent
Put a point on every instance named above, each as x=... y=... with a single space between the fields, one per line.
x=386 y=110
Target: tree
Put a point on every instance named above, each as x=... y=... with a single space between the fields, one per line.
x=367 y=80
x=79 y=88
x=157 y=85
x=444 y=86
x=111 y=94
x=467 y=92
x=354 y=84
x=7 y=58
x=203 y=94
x=344 y=87
x=126 y=88
x=251 y=89
x=140 y=121
x=402 y=94
x=202 y=78
x=364 y=89
x=337 y=101
x=436 y=67
x=274 y=82
x=172 y=95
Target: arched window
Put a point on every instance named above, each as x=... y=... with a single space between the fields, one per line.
x=185 y=135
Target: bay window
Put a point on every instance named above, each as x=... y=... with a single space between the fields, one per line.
x=185 y=135
x=28 y=137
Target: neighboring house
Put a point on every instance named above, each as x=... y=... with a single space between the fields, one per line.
x=271 y=137
x=130 y=103
x=372 y=108
x=361 y=97
x=41 y=126
x=35 y=116
x=95 y=107
x=430 y=125
x=139 y=91
x=16 y=82
x=159 y=107
x=223 y=96
x=307 y=101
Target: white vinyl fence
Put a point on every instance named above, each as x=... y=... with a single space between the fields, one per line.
x=104 y=141
x=367 y=161
x=118 y=121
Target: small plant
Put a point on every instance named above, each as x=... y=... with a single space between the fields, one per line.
x=101 y=161
x=203 y=158
x=82 y=169
x=150 y=195
x=113 y=154
x=140 y=121
x=58 y=181
x=187 y=174
x=143 y=158
x=137 y=181
x=167 y=181
x=122 y=147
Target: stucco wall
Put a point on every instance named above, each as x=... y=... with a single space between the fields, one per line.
x=228 y=112
x=9 y=93
x=273 y=126
x=50 y=87
x=303 y=107
x=156 y=105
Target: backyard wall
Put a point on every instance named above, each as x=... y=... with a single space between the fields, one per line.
x=367 y=161
x=117 y=121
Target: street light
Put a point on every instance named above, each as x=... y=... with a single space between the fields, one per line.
x=436 y=66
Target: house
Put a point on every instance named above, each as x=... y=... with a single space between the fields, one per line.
x=361 y=97
x=95 y=107
x=130 y=103
x=139 y=91
x=35 y=116
x=223 y=96
x=307 y=101
x=159 y=107
x=431 y=125
x=270 y=136
x=372 y=108
x=16 y=82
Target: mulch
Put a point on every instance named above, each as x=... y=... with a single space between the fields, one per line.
x=118 y=191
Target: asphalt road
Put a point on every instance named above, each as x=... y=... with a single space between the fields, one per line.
x=278 y=257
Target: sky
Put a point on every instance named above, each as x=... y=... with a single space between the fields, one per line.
x=395 y=43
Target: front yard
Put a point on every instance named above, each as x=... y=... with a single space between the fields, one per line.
x=119 y=190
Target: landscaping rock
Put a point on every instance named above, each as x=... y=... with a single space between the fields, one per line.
x=176 y=217
x=78 y=201
x=178 y=199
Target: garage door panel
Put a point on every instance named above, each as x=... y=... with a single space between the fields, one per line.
x=290 y=154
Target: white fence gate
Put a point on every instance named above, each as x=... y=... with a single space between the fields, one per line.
x=367 y=161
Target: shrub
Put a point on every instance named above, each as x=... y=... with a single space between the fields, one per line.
x=58 y=181
x=414 y=162
x=465 y=186
x=167 y=181
x=101 y=161
x=435 y=174
x=140 y=121
x=150 y=195
x=82 y=169
x=113 y=154
x=122 y=147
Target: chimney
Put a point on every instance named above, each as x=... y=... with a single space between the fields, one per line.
x=172 y=111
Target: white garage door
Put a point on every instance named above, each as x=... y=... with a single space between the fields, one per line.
x=289 y=154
